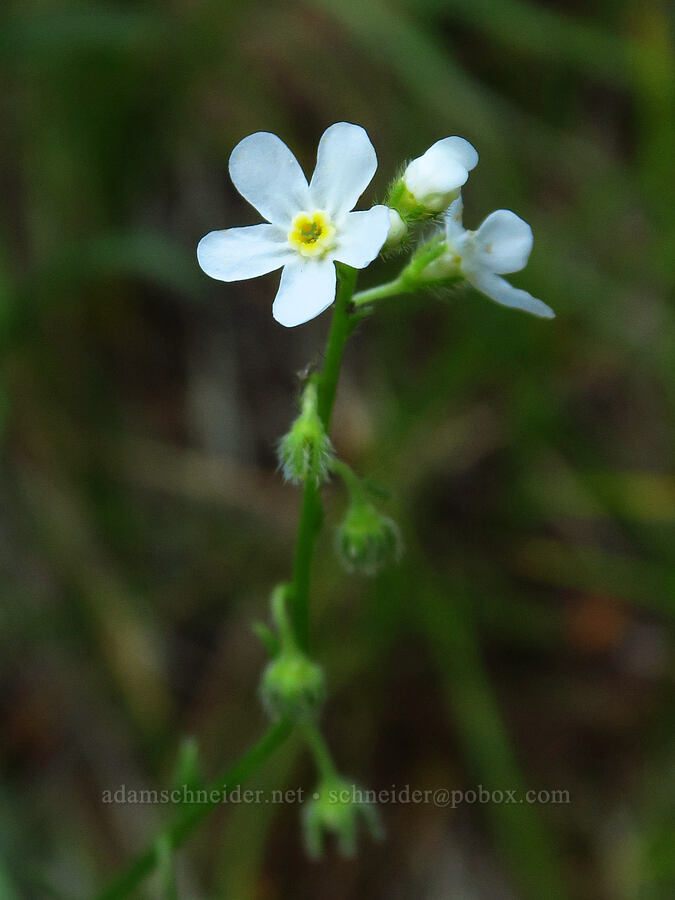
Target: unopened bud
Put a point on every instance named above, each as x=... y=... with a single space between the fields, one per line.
x=367 y=541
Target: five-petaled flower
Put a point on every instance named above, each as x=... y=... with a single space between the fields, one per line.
x=309 y=226
x=501 y=245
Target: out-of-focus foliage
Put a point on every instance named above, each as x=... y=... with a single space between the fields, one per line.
x=524 y=638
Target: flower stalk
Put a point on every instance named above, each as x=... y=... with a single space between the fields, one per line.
x=318 y=747
x=388 y=289
x=311 y=512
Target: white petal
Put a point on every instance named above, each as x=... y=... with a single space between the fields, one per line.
x=361 y=236
x=433 y=177
x=238 y=253
x=307 y=288
x=345 y=165
x=266 y=173
x=503 y=242
x=459 y=149
x=500 y=290
x=453 y=219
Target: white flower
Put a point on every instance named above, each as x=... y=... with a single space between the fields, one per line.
x=435 y=177
x=501 y=245
x=310 y=225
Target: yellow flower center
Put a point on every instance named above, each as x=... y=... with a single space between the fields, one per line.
x=311 y=234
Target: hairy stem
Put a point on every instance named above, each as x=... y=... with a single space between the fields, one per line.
x=310 y=513
x=193 y=814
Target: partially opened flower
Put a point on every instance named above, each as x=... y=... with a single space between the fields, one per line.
x=501 y=245
x=339 y=807
x=435 y=178
x=309 y=226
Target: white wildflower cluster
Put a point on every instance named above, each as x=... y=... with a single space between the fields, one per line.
x=310 y=226
x=312 y=233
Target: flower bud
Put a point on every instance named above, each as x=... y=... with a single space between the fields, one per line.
x=305 y=452
x=336 y=807
x=433 y=180
x=397 y=231
x=367 y=540
x=292 y=686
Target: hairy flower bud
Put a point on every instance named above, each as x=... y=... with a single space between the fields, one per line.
x=305 y=451
x=367 y=540
x=292 y=686
x=336 y=807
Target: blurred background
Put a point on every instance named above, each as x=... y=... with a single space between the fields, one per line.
x=525 y=639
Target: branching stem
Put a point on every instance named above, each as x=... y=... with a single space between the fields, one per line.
x=389 y=289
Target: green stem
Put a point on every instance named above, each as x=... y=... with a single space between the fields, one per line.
x=166 y=870
x=319 y=750
x=193 y=814
x=389 y=289
x=281 y=620
x=310 y=513
x=354 y=485
x=340 y=330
